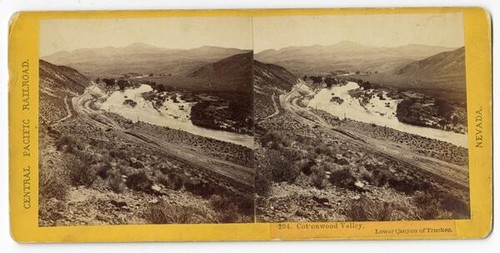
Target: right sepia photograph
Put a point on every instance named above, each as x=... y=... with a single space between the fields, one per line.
x=360 y=118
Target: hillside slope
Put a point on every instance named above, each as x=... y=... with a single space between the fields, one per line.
x=57 y=84
x=270 y=81
x=442 y=63
x=272 y=76
x=233 y=73
x=441 y=75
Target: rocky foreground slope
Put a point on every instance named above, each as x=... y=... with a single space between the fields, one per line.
x=99 y=168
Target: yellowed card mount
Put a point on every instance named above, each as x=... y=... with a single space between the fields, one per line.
x=250 y=125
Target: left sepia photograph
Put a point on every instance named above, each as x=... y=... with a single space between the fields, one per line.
x=146 y=121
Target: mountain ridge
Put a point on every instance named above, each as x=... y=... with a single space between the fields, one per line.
x=345 y=55
x=139 y=57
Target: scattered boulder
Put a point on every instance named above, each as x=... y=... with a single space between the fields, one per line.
x=165 y=169
x=142 y=158
x=134 y=163
x=100 y=217
x=340 y=160
x=328 y=174
x=359 y=184
x=355 y=197
x=323 y=201
x=301 y=213
x=119 y=204
x=157 y=190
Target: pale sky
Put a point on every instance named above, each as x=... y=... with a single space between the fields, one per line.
x=175 y=33
x=268 y=32
x=388 y=30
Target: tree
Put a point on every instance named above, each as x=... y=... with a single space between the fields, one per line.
x=109 y=81
x=330 y=81
x=366 y=85
x=122 y=84
x=316 y=79
x=160 y=88
x=98 y=80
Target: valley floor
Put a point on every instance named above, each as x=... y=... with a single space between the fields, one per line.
x=97 y=168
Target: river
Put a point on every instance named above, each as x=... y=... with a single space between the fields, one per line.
x=171 y=115
x=377 y=111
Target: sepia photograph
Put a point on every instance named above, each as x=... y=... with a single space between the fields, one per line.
x=360 y=118
x=253 y=119
x=146 y=121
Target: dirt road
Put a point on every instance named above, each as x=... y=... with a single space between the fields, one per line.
x=276 y=108
x=69 y=114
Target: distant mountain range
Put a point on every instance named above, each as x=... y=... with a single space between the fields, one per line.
x=432 y=68
x=346 y=55
x=139 y=58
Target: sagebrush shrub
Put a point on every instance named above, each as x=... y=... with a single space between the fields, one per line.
x=318 y=177
x=81 y=172
x=165 y=213
x=139 y=182
x=115 y=181
x=53 y=182
x=172 y=181
x=283 y=170
x=369 y=210
x=343 y=178
x=232 y=209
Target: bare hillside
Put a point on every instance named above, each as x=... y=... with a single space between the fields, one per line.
x=441 y=75
x=273 y=76
x=58 y=84
x=442 y=63
x=234 y=71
